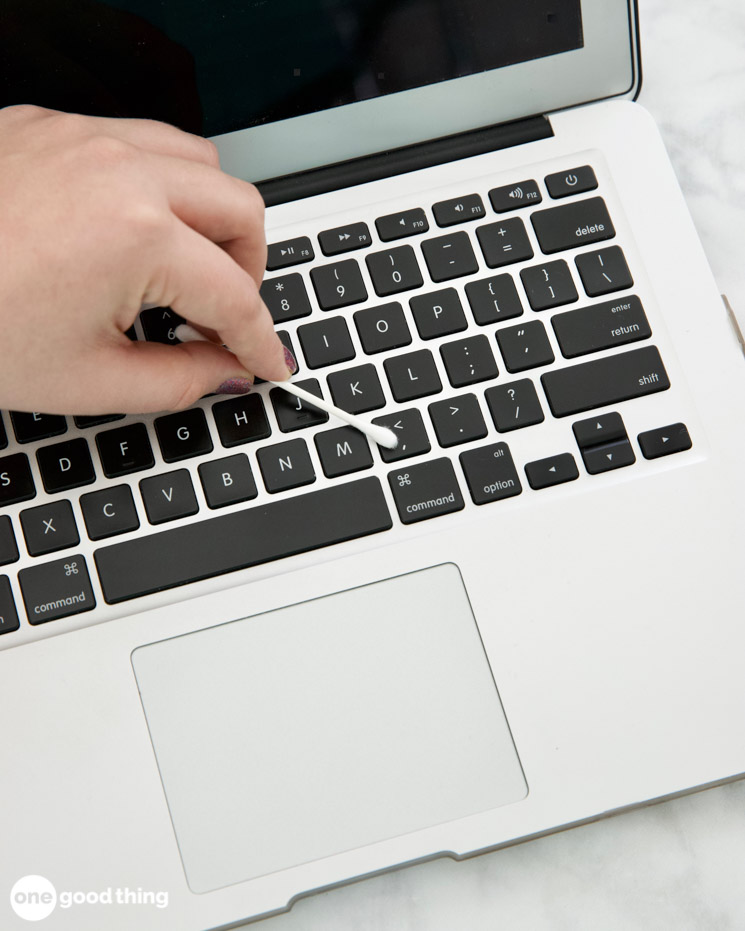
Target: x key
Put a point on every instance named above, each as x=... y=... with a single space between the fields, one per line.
x=49 y=527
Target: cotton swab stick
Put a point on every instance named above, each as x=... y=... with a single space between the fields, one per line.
x=383 y=436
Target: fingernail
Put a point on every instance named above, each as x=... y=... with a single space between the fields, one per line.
x=290 y=361
x=235 y=386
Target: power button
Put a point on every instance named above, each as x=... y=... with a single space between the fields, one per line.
x=571 y=181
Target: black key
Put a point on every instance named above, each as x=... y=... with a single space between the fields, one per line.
x=399 y=225
x=159 y=325
x=285 y=465
x=357 y=390
x=459 y=210
x=168 y=496
x=345 y=238
x=243 y=538
x=294 y=414
x=549 y=285
x=124 y=450
x=598 y=431
x=227 y=481
x=3 y=435
x=8 y=614
x=665 y=440
x=286 y=341
x=57 y=589
x=490 y=473
x=525 y=346
x=513 y=196
x=449 y=257
x=343 y=451
x=505 y=242
x=338 y=285
x=412 y=375
x=109 y=512
x=411 y=432
x=382 y=328
x=97 y=420
x=574 y=181
x=604 y=271
x=8 y=546
x=16 y=483
x=572 y=225
x=554 y=470
x=49 y=527
x=241 y=420
x=607 y=457
x=394 y=270
x=289 y=252
x=493 y=299
x=601 y=326
x=514 y=405
x=183 y=435
x=457 y=420
x=131 y=333
x=438 y=313
x=31 y=427
x=601 y=382
x=468 y=361
x=286 y=297
x=65 y=465
x=425 y=490
x=326 y=342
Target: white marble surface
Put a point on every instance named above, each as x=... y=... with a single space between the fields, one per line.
x=681 y=864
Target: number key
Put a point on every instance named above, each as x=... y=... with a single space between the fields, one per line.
x=394 y=270
x=338 y=285
x=286 y=297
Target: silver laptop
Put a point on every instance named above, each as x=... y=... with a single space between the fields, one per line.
x=244 y=653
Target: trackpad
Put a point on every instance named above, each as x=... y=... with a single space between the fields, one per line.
x=326 y=726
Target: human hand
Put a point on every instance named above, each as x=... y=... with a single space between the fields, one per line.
x=98 y=217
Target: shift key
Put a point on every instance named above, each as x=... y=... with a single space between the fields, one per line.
x=424 y=490
x=56 y=589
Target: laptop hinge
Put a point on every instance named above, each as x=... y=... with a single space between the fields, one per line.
x=398 y=161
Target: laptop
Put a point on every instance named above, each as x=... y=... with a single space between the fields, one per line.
x=246 y=654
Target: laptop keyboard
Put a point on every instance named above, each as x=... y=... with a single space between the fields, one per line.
x=458 y=323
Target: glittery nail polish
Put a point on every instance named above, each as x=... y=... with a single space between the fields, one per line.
x=235 y=386
x=290 y=361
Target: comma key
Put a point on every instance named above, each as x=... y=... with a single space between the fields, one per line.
x=425 y=490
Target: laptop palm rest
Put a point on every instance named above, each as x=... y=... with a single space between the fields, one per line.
x=326 y=726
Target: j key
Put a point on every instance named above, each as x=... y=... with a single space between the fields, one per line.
x=572 y=225
x=168 y=496
x=183 y=435
x=598 y=431
x=525 y=346
x=8 y=546
x=292 y=413
x=607 y=457
x=459 y=210
x=438 y=313
x=468 y=361
x=604 y=271
x=357 y=390
x=549 y=285
x=109 y=512
x=241 y=420
x=3 y=435
x=49 y=527
x=16 y=483
x=345 y=238
x=490 y=473
x=408 y=426
x=425 y=490
x=399 y=225
x=665 y=440
x=601 y=326
x=554 y=470
x=514 y=405
x=574 y=181
x=159 y=325
x=8 y=614
x=338 y=285
x=56 y=589
x=505 y=242
x=286 y=465
x=514 y=196
x=97 y=420
x=382 y=328
x=289 y=252
x=65 y=465
x=457 y=420
x=124 y=450
x=286 y=297
x=449 y=257
x=343 y=451
x=227 y=481
x=601 y=382
x=394 y=270
x=326 y=342
x=31 y=427
x=412 y=375
x=493 y=299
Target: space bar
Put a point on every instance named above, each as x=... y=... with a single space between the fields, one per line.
x=241 y=539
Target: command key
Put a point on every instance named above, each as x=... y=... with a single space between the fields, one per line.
x=425 y=490
x=56 y=589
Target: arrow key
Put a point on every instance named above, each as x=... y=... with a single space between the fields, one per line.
x=543 y=473
x=665 y=440
x=606 y=428
x=345 y=238
x=608 y=456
